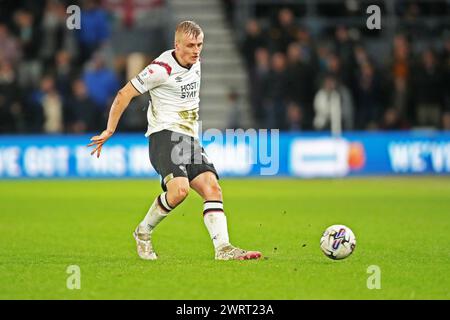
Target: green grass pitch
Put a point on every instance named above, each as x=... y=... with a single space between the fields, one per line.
x=402 y=225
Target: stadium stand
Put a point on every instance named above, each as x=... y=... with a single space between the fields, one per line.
x=303 y=59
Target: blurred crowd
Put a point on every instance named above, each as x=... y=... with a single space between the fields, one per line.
x=297 y=81
x=54 y=79
x=57 y=80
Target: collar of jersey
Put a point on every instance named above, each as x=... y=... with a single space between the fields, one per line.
x=175 y=58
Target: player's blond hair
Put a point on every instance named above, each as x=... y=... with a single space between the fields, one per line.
x=189 y=28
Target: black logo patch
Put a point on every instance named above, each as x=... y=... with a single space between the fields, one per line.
x=139 y=79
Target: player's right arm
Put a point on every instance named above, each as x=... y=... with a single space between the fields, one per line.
x=120 y=103
x=151 y=77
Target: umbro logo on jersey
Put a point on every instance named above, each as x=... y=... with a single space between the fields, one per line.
x=178 y=79
x=197 y=72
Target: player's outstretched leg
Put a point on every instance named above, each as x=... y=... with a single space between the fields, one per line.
x=208 y=188
x=177 y=190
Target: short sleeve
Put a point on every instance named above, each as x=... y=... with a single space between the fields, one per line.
x=152 y=76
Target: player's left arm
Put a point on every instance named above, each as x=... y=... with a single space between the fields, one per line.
x=120 y=103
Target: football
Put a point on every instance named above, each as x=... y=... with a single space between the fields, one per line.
x=338 y=242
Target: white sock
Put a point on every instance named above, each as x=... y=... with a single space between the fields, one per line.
x=157 y=212
x=216 y=223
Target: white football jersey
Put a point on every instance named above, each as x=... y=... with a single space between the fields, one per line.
x=174 y=94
